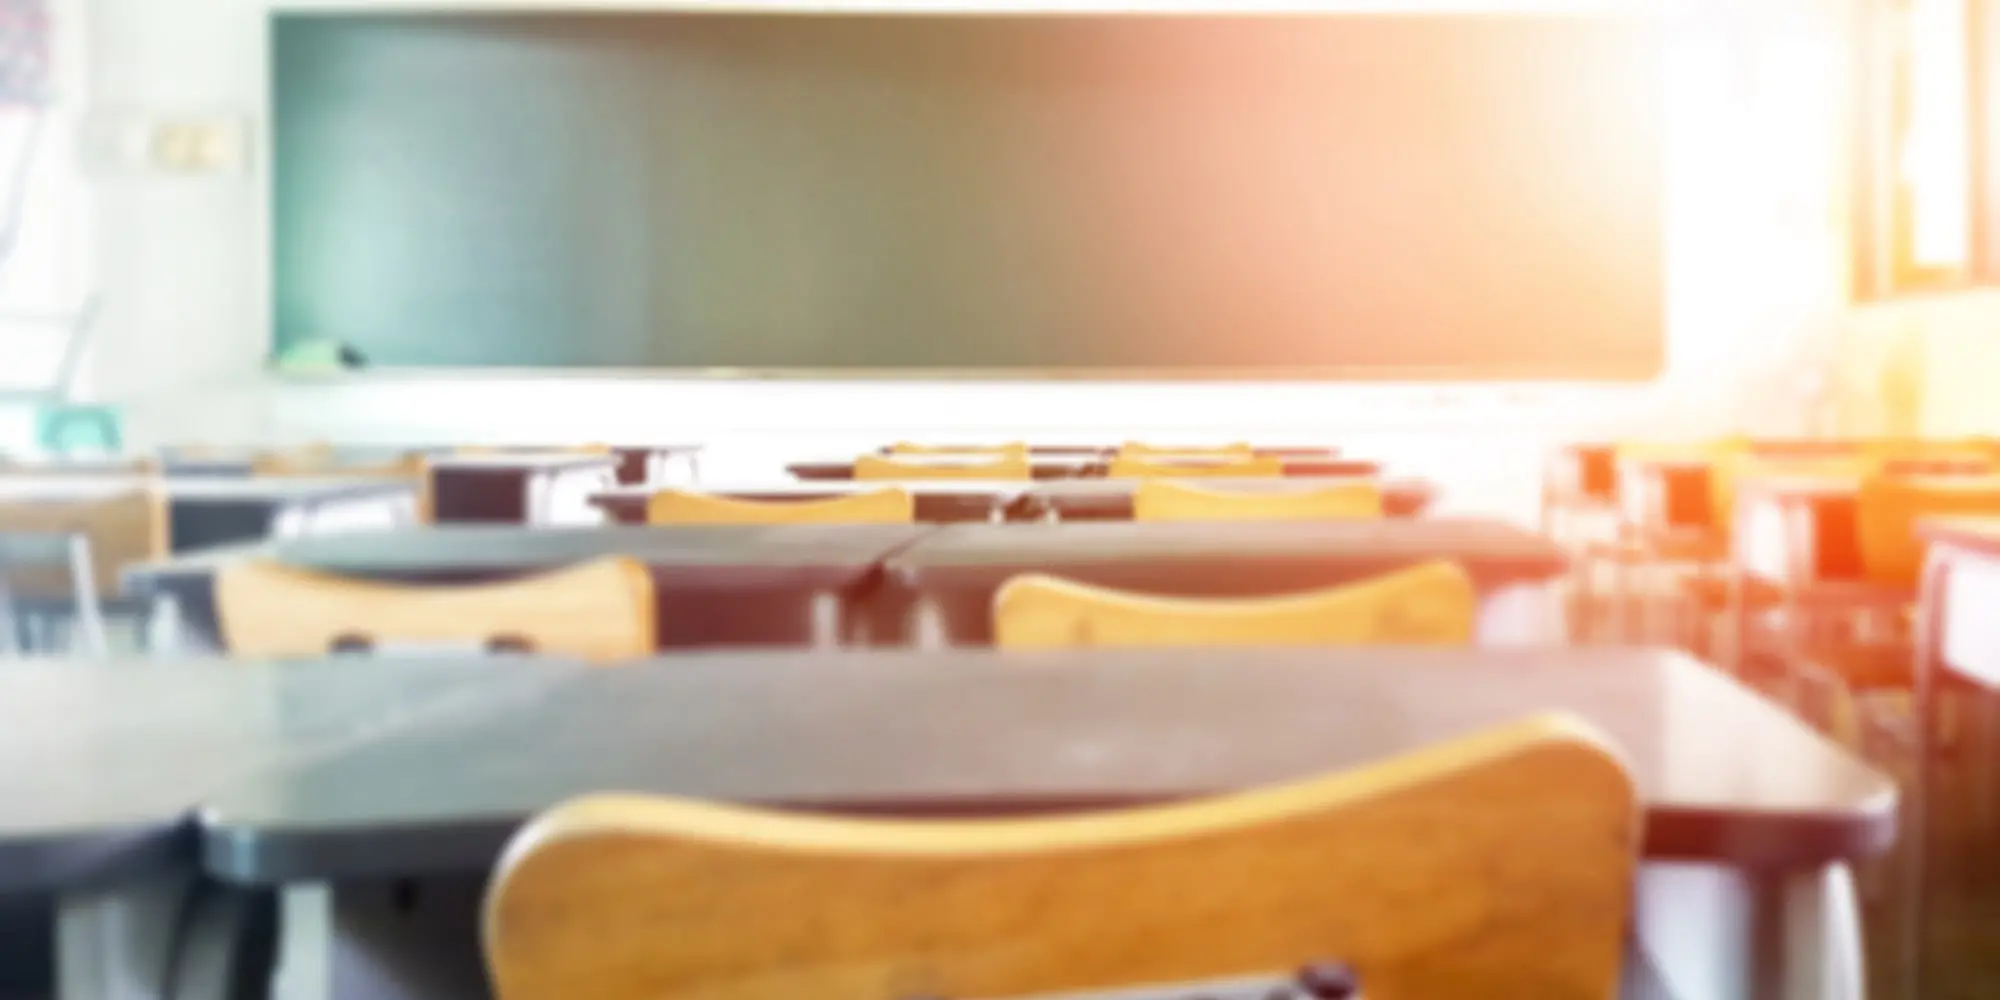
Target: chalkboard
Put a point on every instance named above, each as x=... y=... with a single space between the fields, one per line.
x=1339 y=195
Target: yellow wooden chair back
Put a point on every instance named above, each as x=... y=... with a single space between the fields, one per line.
x=124 y=527
x=1890 y=507
x=1167 y=500
x=313 y=463
x=600 y=610
x=1497 y=865
x=1730 y=468
x=877 y=468
x=1432 y=604
x=884 y=506
x=1184 y=467
x=1143 y=451
x=1010 y=448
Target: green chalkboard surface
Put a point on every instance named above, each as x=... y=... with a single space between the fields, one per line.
x=1355 y=195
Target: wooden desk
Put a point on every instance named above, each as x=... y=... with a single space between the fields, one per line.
x=1045 y=466
x=715 y=586
x=1958 y=647
x=1798 y=531
x=1093 y=465
x=205 y=512
x=1111 y=499
x=1107 y=450
x=653 y=464
x=938 y=501
x=102 y=766
x=939 y=590
x=1750 y=818
x=519 y=487
x=1665 y=496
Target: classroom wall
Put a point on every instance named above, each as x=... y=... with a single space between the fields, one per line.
x=1756 y=266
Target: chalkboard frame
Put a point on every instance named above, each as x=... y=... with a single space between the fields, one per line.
x=1595 y=370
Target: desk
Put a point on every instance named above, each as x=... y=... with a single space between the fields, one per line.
x=939 y=591
x=1111 y=499
x=103 y=765
x=1958 y=645
x=1798 y=530
x=938 y=501
x=1045 y=466
x=1750 y=818
x=715 y=586
x=643 y=464
x=519 y=487
x=212 y=511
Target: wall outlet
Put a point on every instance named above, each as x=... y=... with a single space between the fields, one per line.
x=125 y=142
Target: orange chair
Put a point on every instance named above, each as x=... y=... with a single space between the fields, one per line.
x=1496 y=865
x=1432 y=604
x=1010 y=448
x=876 y=468
x=1889 y=508
x=1139 y=450
x=600 y=610
x=1166 y=500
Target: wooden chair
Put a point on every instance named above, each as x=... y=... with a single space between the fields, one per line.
x=124 y=526
x=1432 y=604
x=1142 y=451
x=600 y=610
x=1166 y=500
x=1889 y=507
x=1498 y=865
x=884 y=506
x=62 y=554
x=316 y=463
x=876 y=468
x=1010 y=448
x=1253 y=467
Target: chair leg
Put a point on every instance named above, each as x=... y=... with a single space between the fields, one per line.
x=83 y=581
x=11 y=644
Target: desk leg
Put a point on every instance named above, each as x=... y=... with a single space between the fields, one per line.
x=400 y=939
x=163 y=625
x=118 y=942
x=825 y=611
x=928 y=627
x=1729 y=934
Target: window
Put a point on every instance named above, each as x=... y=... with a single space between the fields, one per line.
x=1920 y=188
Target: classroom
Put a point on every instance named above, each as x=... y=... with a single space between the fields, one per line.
x=928 y=500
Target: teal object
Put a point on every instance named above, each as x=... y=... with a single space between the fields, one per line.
x=68 y=429
x=310 y=357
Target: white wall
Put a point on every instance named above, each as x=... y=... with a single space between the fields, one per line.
x=1753 y=257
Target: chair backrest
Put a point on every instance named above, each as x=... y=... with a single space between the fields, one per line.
x=884 y=506
x=1186 y=467
x=1166 y=500
x=314 y=462
x=1889 y=508
x=1432 y=604
x=124 y=526
x=1009 y=448
x=1140 y=450
x=877 y=468
x=1496 y=865
x=600 y=610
